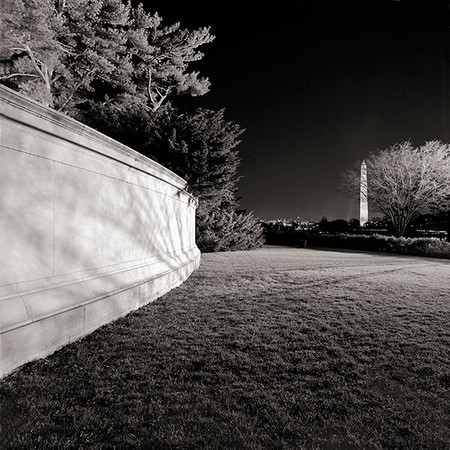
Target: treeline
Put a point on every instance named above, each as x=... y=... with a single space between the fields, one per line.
x=119 y=69
x=293 y=232
x=428 y=235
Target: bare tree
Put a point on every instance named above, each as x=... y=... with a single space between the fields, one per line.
x=405 y=181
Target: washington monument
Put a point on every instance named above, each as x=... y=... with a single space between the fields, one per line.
x=363 y=203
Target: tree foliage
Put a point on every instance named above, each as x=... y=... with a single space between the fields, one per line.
x=95 y=34
x=201 y=147
x=405 y=181
x=53 y=50
x=116 y=67
x=30 y=50
x=161 y=57
x=58 y=51
x=223 y=229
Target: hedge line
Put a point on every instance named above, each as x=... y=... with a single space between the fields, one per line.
x=378 y=243
x=374 y=243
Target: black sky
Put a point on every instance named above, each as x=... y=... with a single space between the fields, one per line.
x=318 y=85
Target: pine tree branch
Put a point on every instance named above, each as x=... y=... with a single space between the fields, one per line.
x=74 y=91
x=35 y=63
x=6 y=77
x=149 y=86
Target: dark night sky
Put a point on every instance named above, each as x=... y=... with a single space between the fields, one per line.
x=318 y=85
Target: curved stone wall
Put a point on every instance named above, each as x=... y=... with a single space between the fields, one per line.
x=89 y=230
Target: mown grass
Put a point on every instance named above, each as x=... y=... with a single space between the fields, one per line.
x=272 y=349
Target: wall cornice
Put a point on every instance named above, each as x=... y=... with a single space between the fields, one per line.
x=21 y=109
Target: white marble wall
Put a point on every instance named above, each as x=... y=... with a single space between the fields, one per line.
x=89 y=230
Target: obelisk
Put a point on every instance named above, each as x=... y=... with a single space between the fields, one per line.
x=363 y=203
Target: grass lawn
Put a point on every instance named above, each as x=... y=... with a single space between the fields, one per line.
x=272 y=349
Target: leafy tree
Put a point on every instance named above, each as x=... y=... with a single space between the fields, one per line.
x=128 y=122
x=161 y=57
x=55 y=51
x=405 y=181
x=201 y=147
x=30 y=49
x=226 y=229
x=116 y=67
x=95 y=34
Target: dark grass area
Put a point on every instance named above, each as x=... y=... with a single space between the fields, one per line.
x=278 y=348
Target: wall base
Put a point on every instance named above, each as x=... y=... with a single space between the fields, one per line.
x=42 y=336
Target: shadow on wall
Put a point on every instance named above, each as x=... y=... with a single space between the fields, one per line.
x=85 y=237
x=58 y=220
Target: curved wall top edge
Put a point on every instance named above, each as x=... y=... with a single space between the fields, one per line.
x=54 y=122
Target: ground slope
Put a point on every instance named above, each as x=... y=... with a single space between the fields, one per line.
x=276 y=348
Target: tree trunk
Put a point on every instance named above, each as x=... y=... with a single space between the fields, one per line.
x=399 y=226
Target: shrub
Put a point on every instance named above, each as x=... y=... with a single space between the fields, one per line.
x=221 y=230
x=413 y=246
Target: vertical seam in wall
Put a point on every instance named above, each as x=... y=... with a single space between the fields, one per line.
x=103 y=223
x=54 y=217
x=27 y=308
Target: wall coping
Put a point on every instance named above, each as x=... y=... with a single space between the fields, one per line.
x=58 y=124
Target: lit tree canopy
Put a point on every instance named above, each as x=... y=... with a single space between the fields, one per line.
x=161 y=56
x=30 y=50
x=405 y=181
x=116 y=67
x=54 y=50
